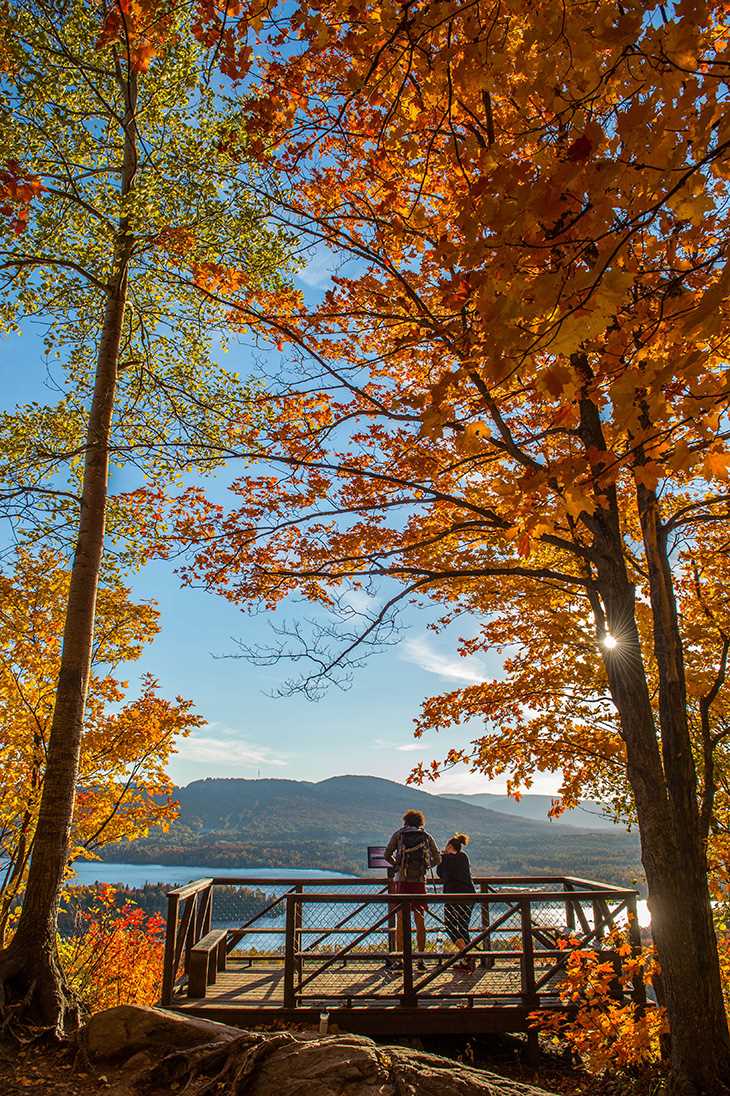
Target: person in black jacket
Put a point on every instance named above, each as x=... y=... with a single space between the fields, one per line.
x=454 y=871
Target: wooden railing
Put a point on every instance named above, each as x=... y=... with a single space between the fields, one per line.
x=523 y=931
x=189 y=917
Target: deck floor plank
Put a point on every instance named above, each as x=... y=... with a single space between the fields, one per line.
x=261 y=985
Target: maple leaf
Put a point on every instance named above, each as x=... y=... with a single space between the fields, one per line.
x=524 y=545
x=579 y=150
x=648 y=474
x=141 y=56
x=432 y=422
x=717 y=464
x=473 y=437
x=578 y=501
x=556 y=379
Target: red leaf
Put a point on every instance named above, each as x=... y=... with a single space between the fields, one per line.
x=580 y=150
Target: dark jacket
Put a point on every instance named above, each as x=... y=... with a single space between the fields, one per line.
x=454 y=871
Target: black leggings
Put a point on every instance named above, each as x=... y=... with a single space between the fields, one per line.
x=457 y=916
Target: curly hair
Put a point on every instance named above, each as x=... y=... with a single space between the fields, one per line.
x=414 y=818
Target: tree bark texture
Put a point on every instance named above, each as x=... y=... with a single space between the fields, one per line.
x=694 y=944
x=664 y=783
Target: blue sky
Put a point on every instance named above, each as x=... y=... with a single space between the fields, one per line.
x=367 y=729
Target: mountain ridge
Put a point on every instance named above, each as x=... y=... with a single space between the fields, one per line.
x=351 y=782
x=589 y=815
x=239 y=822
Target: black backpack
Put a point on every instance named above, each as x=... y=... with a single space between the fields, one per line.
x=414 y=855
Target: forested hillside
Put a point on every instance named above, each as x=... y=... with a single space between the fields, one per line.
x=291 y=823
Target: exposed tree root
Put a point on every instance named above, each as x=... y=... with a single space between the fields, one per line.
x=35 y=1000
x=261 y=1064
x=214 y=1067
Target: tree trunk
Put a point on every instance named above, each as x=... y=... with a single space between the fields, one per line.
x=664 y=787
x=32 y=987
x=690 y=900
x=677 y=880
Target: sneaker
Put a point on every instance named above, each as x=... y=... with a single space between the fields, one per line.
x=392 y=966
x=420 y=965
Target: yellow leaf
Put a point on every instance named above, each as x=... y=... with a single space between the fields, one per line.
x=682 y=458
x=648 y=474
x=556 y=379
x=432 y=422
x=710 y=301
x=717 y=464
x=578 y=502
x=594 y=316
x=691 y=201
x=472 y=438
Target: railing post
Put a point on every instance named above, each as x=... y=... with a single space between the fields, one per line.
x=409 y=997
x=168 y=962
x=290 y=951
x=529 y=994
x=486 y=960
x=569 y=907
x=298 y=913
x=201 y=920
x=639 y=991
x=198 y=918
x=598 y=925
x=392 y=916
x=206 y=914
x=190 y=932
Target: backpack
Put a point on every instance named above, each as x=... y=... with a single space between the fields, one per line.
x=414 y=856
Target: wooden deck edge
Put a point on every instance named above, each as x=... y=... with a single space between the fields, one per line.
x=497 y=1019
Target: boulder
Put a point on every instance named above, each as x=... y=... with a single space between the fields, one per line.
x=201 y=1056
x=122 y=1031
x=349 y=1065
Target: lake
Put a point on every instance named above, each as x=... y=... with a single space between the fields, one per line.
x=88 y=872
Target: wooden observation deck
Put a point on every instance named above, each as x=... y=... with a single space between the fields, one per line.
x=329 y=945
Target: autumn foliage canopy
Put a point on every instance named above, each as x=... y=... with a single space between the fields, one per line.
x=516 y=240
x=511 y=402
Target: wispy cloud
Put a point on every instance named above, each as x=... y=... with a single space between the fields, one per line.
x=462 y=781
x=405 y=747
x=470 y=671
x=226 y=746
x=319 y=267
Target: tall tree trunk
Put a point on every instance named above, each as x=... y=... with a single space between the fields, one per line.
x=31 y=981
x=710 y=1048
x=664 y=786
x=676 y=876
